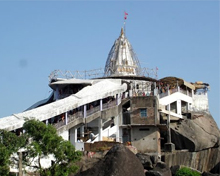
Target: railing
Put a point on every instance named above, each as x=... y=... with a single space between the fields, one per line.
x=173 y=90
x=183 y=91
x=109 y=104
x=79 y=114
x=190 y=94
x=163 y=94
x=88 y=74
x=92 y=110
x=76 y=115
x=59 y=124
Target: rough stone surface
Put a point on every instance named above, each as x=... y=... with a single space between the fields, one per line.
x=117 y=162
x=161 y=169
x=174 y=169
x=195 y=134
x=209 y=174
x=152 y=173
x=145 y=160
x=203 y=161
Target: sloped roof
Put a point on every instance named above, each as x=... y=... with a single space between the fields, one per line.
x=173 y=81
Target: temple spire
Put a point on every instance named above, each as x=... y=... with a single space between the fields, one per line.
x=122 y=60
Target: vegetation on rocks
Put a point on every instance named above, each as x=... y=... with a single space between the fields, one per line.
x=185 y=171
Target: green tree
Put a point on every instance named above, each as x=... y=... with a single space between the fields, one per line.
x=45 y=142
x=9 y=144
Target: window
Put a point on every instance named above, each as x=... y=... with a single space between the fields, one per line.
x=143 y=112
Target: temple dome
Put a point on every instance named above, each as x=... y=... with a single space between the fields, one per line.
x=122 y=60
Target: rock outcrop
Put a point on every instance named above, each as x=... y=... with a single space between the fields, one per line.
x=195 y=134
x=197 y=141
x=117 y=162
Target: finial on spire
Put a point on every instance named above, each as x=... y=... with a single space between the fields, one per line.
x=122 y=31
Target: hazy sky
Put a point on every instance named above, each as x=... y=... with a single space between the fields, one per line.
x=181 y=38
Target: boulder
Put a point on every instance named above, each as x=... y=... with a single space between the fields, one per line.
x=161 y=169
x=117 y=162
x=145 y=161
x=209 y=174
x=153 y=173
x=195 y=134
x=174 y=169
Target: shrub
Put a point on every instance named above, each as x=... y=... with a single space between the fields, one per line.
x=184 y=171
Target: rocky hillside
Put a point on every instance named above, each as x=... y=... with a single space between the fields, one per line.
x=196 y=139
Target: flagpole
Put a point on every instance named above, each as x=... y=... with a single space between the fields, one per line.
x=124 y=26
x=125 y=17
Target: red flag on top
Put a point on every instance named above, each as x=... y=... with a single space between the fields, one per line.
x=125 y=16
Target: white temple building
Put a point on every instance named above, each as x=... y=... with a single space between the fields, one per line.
x=126 y=103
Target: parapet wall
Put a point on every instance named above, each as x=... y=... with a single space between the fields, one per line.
x=204 y=161
x=200 y=102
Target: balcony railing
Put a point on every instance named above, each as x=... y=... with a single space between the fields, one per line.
x=183 y=91
x=171 y=91
x=89 y=112
x=163 y=94
x=76 y=115
x=59 y=124
x=92 y=110
x=109 y=104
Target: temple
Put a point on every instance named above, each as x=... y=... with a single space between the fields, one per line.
x=127 y=103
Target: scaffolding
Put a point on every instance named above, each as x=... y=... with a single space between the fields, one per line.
x=96 y=73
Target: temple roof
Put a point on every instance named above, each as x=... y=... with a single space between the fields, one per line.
x=122 y=60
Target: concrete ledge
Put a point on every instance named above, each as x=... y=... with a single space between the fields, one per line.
x=169 y=147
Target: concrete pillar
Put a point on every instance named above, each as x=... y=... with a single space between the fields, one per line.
x=73 y=135
x=187 y=107
x=20 y=163
x=168 y=125
x=66 y=118
x=101 y=105
x=117 y=99
x=179 y=107
x=47 y=122
x=168 y=89
x=100 y=129
x=130 y=91
x=119 y=139
x=117 y=126
x=169 y=146
x=82 y=131
x=187 y=92
x=84 y=111
x=56 y=93
x=155 y=89
x=178 y=89
x=119 y=96
x=192 y=93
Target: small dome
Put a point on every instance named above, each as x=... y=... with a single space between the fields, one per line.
x=122 y=60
